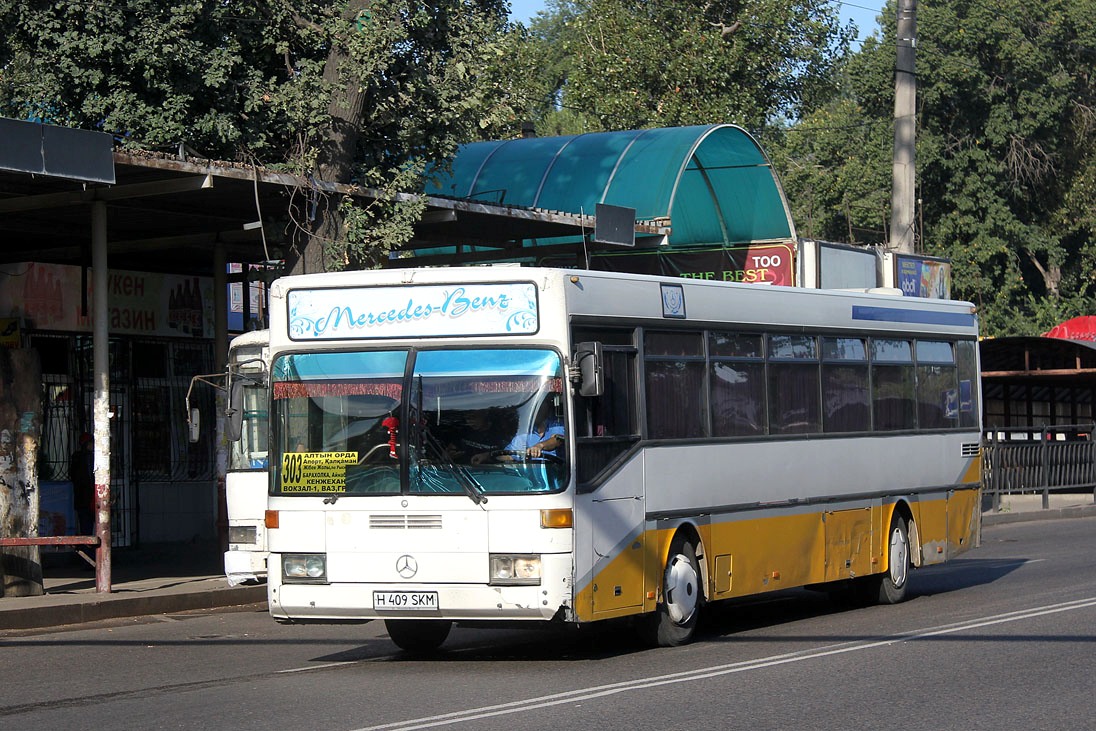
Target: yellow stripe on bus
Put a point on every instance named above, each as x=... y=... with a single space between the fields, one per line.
x=743 y=556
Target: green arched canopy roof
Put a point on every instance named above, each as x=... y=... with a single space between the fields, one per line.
x=713 y=182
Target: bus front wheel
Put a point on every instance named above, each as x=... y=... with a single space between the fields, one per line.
x=674 y=622
x=418 y=635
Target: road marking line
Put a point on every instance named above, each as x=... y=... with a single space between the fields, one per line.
x=317 y=667
x=599 y=691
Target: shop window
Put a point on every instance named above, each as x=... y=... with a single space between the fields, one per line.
x=150 y=360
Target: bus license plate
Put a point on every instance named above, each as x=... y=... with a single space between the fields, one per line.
x=413 y=601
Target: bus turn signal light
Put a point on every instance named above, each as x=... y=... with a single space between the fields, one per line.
x=271 y=519
x=557 y=518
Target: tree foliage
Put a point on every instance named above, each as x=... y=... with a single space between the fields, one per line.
x=1004 y=152
x=836 y=170
x=352 y=90
x=371 y=90
x=628 y=64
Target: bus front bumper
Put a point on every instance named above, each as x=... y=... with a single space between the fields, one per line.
x=341 y=602
x=359 y=601
x=244 y=565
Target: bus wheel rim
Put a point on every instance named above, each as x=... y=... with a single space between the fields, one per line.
x=899 y=558
x=682 y=588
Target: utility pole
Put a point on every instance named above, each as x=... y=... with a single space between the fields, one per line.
x=903 y=192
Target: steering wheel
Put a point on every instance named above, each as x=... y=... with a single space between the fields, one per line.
x=545 y=456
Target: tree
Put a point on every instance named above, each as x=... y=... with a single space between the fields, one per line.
x=1004 y=153
x=835 y=168
x=404 y=91
x=355 y=91
x=541 y=64
x=626 y=64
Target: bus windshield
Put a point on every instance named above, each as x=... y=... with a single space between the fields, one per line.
x=472 y=422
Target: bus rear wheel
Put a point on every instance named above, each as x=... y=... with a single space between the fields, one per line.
x=674 y=622
x=418 y=635
x=890 y=587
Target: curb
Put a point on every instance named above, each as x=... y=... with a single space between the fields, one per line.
x=112 y=607
x=1072 y=511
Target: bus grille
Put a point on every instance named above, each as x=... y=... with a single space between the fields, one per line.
x=404 y=522
x=970 y=449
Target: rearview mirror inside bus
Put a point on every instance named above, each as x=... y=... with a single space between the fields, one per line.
x=234 y=414
x=589 y=359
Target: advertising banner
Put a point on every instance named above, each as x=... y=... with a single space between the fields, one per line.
x=761 y=264
x=49 y=297
x=920 y=277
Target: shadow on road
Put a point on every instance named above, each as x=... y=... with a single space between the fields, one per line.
x=721 y=621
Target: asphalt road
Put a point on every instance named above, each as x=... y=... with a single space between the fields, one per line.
x=1002 y=638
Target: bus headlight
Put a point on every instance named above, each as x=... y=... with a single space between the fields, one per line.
x=514 y=570
x=304 y=568
x=242 y=534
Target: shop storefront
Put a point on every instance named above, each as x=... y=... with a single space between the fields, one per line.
x=161 y=334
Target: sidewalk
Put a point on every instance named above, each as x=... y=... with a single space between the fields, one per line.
x=168 y=579
x=1020 y=508
x=159 y=579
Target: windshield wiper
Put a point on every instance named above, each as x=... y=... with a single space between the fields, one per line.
x=464 y=478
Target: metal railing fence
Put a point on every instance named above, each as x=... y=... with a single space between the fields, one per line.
x=1017 y=460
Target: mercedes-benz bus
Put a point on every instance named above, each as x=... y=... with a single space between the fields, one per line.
x=710 y=440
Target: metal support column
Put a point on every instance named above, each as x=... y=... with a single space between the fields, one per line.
x=100 y=343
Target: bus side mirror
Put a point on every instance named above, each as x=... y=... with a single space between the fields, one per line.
x=234 y=414
x=194 y=428
x=588 y=357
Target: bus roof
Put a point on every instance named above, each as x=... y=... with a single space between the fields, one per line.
x=636 y=298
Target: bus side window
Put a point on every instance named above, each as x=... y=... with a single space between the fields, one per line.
x=614 y=411
x=606 y=426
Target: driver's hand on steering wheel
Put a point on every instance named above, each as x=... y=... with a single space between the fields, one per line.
x=545 y=445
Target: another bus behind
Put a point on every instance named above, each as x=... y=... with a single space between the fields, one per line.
x=246 y=477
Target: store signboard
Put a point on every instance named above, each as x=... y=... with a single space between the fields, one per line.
x=49 y=297
x=757 y=264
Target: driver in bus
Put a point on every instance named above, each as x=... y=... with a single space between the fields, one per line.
x=544 y=438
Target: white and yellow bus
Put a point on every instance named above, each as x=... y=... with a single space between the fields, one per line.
x=502 y=444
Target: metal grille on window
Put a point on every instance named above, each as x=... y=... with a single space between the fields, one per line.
x=148 y=385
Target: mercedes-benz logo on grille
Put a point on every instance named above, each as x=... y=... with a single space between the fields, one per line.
x=406 y=566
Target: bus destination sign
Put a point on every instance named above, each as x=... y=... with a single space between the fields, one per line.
x=315 y=471
x=496 y=308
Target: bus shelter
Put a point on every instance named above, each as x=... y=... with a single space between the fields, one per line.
x=706 y=200
x=1038 y=416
